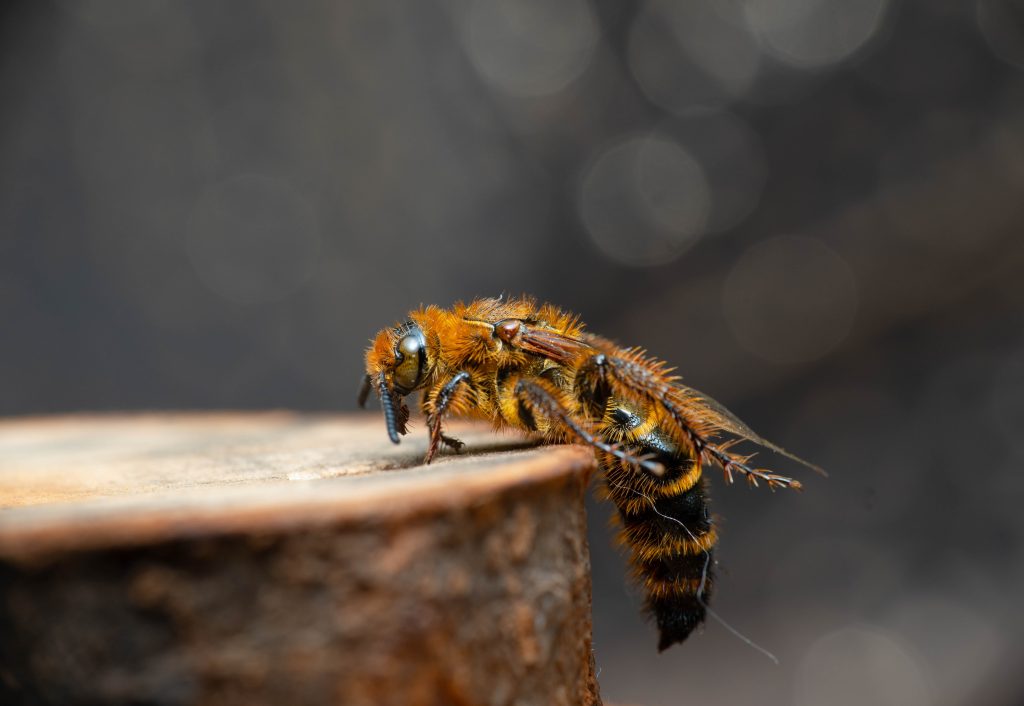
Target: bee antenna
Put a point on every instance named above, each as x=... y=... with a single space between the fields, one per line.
x=387 y=403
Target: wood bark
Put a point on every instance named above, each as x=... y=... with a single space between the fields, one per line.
x=272 y=558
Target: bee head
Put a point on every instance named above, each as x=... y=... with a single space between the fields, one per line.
x=396 y=365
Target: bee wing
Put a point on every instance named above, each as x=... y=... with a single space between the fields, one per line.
x=728 y=422
x=566 y=349
x=551 y=344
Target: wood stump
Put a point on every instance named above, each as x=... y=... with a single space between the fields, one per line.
x=278 y=558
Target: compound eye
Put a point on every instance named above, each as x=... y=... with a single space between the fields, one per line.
x=409 y=358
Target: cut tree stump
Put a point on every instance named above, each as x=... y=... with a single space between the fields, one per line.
x=279 y=558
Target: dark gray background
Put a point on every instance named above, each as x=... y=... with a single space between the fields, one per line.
x=811 y=207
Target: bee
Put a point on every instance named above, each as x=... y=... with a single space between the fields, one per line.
x=533 y=367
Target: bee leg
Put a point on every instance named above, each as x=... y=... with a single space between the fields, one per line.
x=538 y=399
x=442 y=400
x=452 y=442
x=627 y=379
x=730 y=463
x=364 y=391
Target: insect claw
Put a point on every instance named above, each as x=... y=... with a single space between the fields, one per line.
x=452 y=442
x=773 y=480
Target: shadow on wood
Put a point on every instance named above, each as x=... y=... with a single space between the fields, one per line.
x=279 y=558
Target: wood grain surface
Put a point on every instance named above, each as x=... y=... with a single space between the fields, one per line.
x=229 y=558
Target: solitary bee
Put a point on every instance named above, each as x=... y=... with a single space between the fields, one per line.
x=524 y=366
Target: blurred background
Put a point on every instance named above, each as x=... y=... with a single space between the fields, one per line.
x=812 y=207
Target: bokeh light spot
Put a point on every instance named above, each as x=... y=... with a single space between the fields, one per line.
x=530 y=48
x=1002 y=24
x=644 y=201
x=858 y=665
x=814 y=34
x=690 y=55
x=252 y=239
x=732 y=157
x=790 y=299
x=955 y=642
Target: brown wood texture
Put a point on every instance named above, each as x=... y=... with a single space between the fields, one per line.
x=279 y=558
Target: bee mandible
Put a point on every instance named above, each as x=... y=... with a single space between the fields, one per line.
x=534 y=368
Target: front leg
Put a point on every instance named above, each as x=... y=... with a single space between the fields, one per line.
x=442 y=400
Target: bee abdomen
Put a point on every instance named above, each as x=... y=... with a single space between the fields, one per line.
x=667 y=526
x=674 y=559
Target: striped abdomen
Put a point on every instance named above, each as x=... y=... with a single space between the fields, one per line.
x=665 y=523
